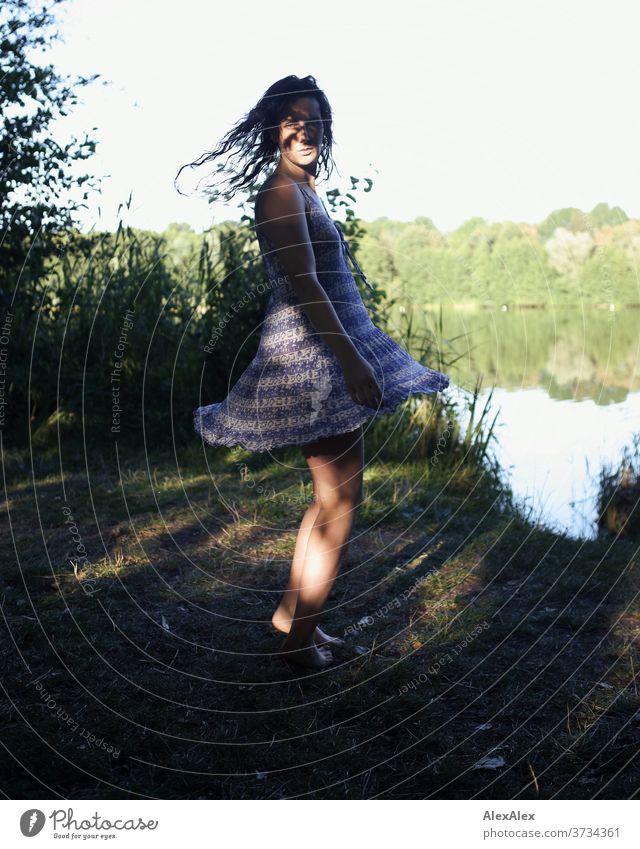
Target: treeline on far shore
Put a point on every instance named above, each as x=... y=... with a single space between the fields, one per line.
x=570 y=257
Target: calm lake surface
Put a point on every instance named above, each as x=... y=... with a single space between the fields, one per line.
x=565 y=385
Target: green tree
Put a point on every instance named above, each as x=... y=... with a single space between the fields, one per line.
x=35 y=170
x=603 y=214
x=39 y=186
x=570 y=217
x=608 y=276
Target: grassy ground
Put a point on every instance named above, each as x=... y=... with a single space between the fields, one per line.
x=500 y=658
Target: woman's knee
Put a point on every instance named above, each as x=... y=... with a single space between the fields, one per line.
x=342 y=498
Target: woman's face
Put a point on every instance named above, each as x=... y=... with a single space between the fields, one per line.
x=301 y=132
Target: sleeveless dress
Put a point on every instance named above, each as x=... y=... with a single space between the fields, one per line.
x=293 y=391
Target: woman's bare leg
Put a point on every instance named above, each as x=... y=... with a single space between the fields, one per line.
x=281 y=619
x=336 y=465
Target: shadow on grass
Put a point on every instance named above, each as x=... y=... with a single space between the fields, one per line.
x=138 y=652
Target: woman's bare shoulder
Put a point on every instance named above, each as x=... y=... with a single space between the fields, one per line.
x=278 y=196
x=279 y=184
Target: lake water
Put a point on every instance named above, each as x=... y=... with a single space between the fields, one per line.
x=566 y=386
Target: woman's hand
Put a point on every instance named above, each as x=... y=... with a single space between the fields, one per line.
x=361 y=381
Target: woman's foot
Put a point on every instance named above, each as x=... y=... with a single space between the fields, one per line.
x=325 y=640
x=282 y=622
x=309 y=655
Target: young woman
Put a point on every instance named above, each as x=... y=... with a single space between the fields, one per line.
x=322 y=367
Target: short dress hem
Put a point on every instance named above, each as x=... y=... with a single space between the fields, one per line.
x=220 y=440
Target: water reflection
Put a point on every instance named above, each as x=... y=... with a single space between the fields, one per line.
x=566 y=384
x=553 y=451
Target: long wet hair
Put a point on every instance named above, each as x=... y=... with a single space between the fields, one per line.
x=253 y=137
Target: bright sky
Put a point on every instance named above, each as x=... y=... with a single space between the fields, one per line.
x=455 y=108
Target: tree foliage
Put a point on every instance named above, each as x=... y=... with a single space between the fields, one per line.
x=36 y=171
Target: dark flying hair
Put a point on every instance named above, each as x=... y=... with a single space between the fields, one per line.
x=252 y=136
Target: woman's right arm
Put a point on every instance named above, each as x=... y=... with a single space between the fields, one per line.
x=285 y=224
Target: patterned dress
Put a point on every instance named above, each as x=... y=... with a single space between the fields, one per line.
x=293 y=391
